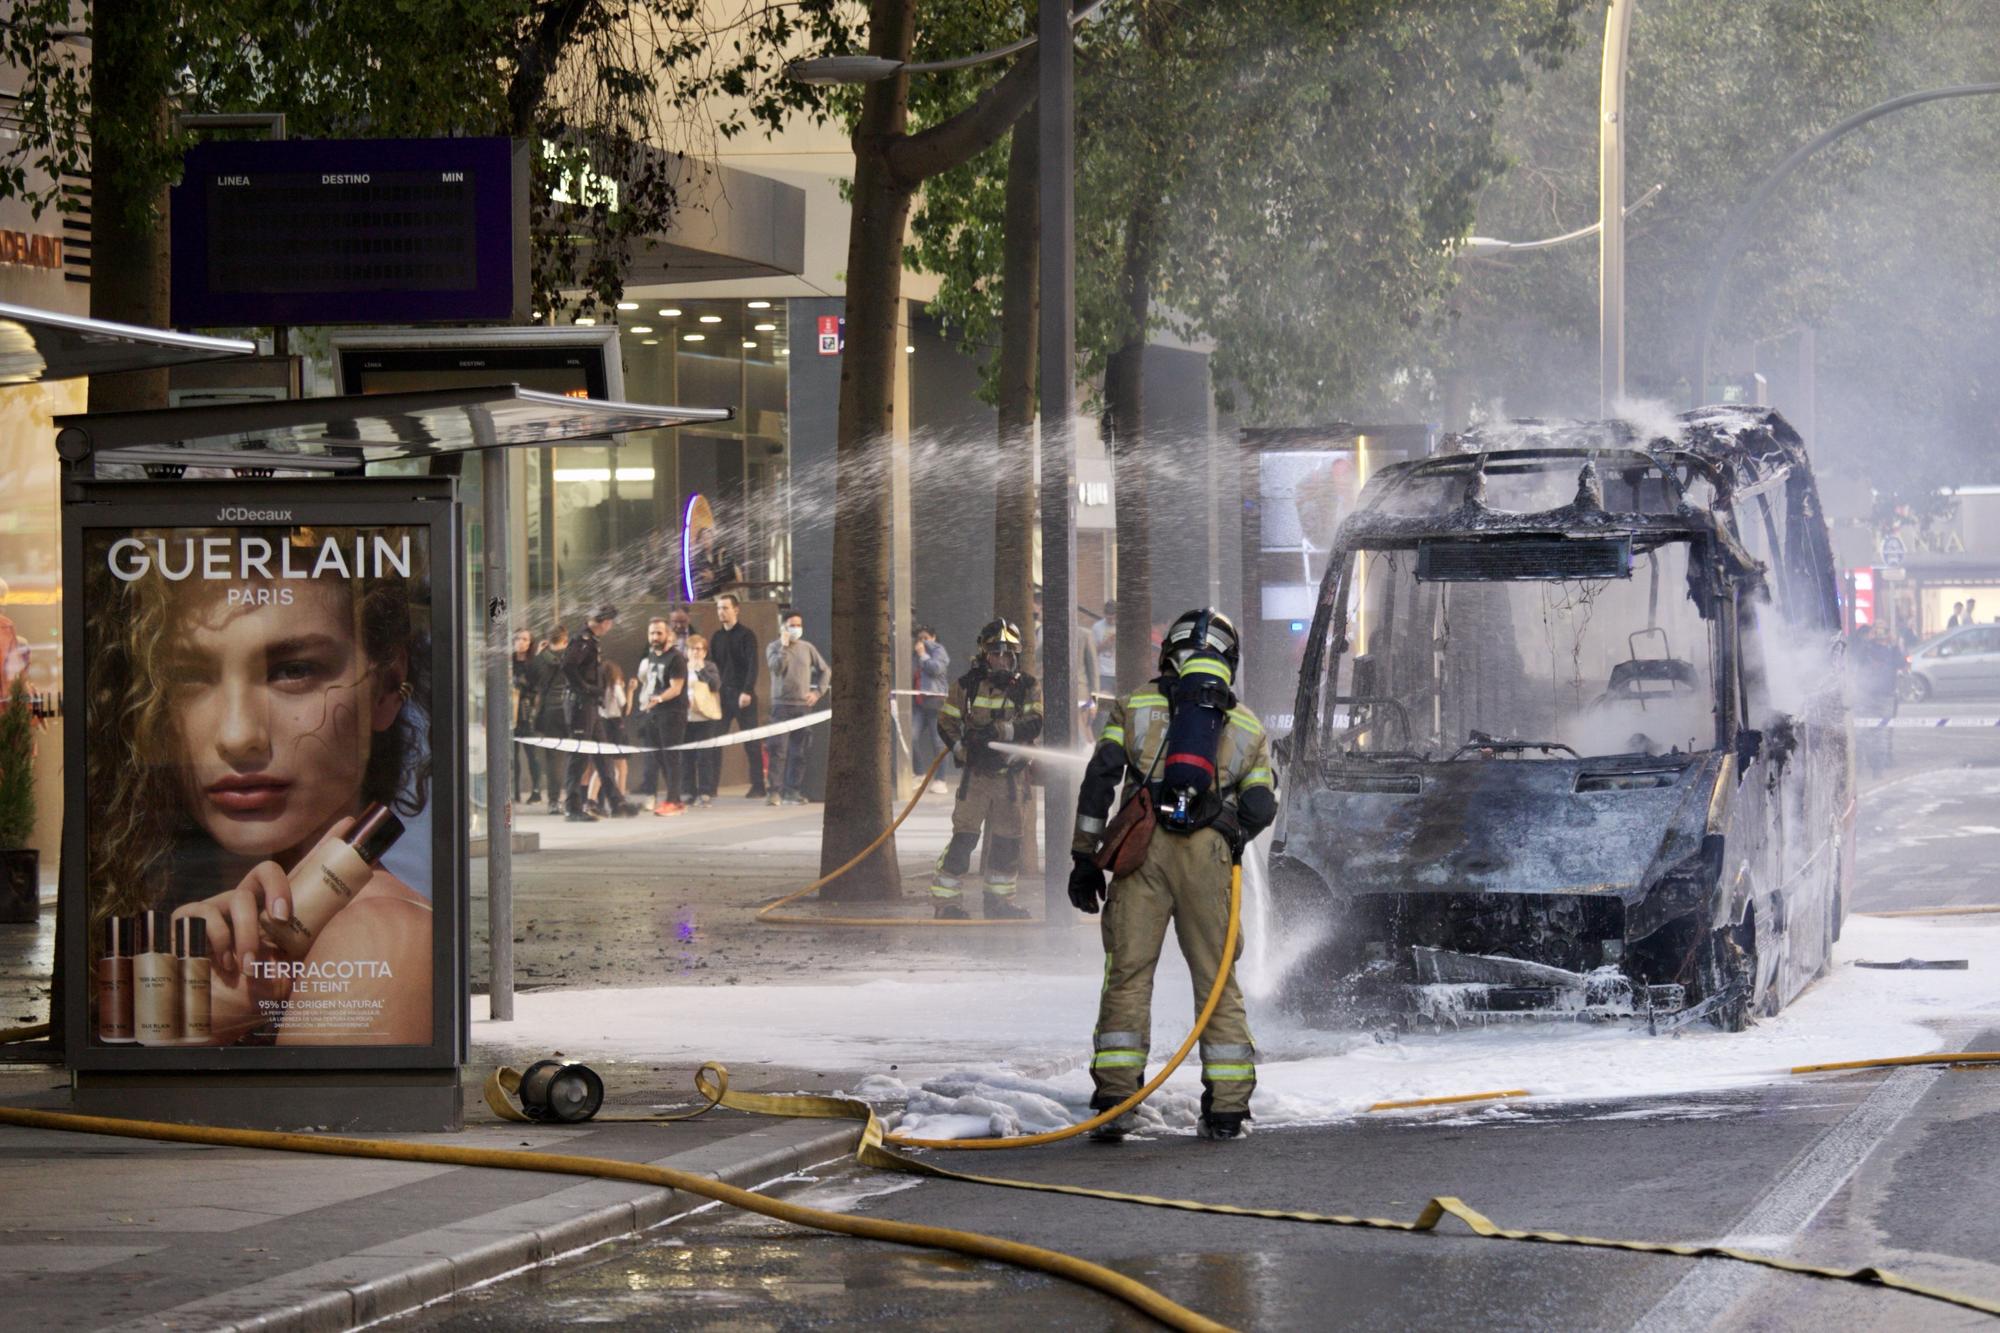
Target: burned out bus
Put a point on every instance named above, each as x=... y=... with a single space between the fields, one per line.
x=1569 y=735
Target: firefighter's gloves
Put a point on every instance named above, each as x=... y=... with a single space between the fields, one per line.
x=1003 y=730
x=1086 y=884
x=1231 y=830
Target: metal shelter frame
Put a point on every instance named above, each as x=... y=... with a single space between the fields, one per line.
x=330 y=436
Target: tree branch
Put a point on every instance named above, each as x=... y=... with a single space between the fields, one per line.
x=538 y=60
x=915 y=158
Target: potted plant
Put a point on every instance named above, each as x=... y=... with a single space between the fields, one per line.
x=20 y=864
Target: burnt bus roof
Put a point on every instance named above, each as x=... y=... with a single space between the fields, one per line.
x=1663 y=486
x=1741 y=449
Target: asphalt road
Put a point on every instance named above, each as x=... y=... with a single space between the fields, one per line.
x=1896 y=1169
x=1931 y=839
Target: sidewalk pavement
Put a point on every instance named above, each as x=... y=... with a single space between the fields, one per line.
x=127 y=1234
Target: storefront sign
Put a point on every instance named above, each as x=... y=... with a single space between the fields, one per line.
x=832 y=335
x=31 y=250
x=266 y=833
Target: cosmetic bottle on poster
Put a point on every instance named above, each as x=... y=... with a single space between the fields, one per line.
x=156 y=982
x=113 y=979
x=329 y=878
x=191 y=957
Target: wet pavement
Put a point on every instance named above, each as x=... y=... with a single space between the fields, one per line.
x=1931 y=840
x=1893 y=1168
x=1690 y=1169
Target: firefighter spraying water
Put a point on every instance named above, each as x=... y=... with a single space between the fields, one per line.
x=1198 y=787
x=994 y=702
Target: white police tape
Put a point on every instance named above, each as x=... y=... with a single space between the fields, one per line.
x=1927 y=723
x=567 y=745
x=570 y=745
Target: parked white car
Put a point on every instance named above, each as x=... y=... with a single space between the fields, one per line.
x=1959 y=662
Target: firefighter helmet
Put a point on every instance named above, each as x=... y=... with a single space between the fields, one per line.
x=1001 y=633
x=1001 y=636
x=1203 y=633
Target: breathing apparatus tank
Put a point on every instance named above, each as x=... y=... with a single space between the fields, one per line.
x=1201 y=650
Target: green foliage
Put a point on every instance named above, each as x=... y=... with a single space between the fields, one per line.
x=1307 y=163
x=17 y=768
x=616 y=85
x=1881 y=244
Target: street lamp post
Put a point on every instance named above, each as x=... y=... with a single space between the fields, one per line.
x=1056 y=371
x=1057 y=377
x=1611 y=206
x=1738 y=229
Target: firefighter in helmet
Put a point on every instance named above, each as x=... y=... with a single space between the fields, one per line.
x=994 y=701
x=1204 y=764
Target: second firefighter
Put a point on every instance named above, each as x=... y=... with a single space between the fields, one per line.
x=995 y=701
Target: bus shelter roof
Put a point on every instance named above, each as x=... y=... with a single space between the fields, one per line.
x=37 y=345
x=344 y=434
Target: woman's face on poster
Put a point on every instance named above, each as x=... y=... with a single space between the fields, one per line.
x=277 y=708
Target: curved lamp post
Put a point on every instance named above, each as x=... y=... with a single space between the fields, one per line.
x=1482 y=246
x=874 y=69
x=1611 y=206
x=1746 y=214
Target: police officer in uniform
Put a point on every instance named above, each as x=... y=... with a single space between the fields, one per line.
x=995 y=701
x=1206 y=768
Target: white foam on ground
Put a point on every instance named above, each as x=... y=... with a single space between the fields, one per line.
x=960 y=1042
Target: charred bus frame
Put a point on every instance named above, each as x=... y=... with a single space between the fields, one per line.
x=1486 y=887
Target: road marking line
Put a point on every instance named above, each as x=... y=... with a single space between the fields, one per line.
x=1698 y=1301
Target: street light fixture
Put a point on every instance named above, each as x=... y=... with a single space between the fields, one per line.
x=824 y=70
x=1487 y=245
x=1738 y=231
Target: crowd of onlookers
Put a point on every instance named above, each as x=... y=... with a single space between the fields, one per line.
x=686 y=688
x=689 y=687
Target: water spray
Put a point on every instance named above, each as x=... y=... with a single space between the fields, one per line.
x=1035 y=754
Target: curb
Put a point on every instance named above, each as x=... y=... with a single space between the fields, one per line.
x=430 y=1266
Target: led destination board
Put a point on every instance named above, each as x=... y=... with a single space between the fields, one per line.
x=350 y=231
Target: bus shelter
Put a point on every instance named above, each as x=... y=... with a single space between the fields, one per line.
x=264 y=890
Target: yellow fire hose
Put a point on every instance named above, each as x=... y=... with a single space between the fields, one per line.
x=1117 y=1285
x=712 y=1080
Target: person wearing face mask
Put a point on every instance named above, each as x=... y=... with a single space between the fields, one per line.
x=701 y=770
x=800 y=677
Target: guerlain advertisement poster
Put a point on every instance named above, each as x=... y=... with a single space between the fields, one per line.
x=258 y=775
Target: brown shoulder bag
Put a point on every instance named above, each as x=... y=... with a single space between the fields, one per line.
x=1130 y=831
